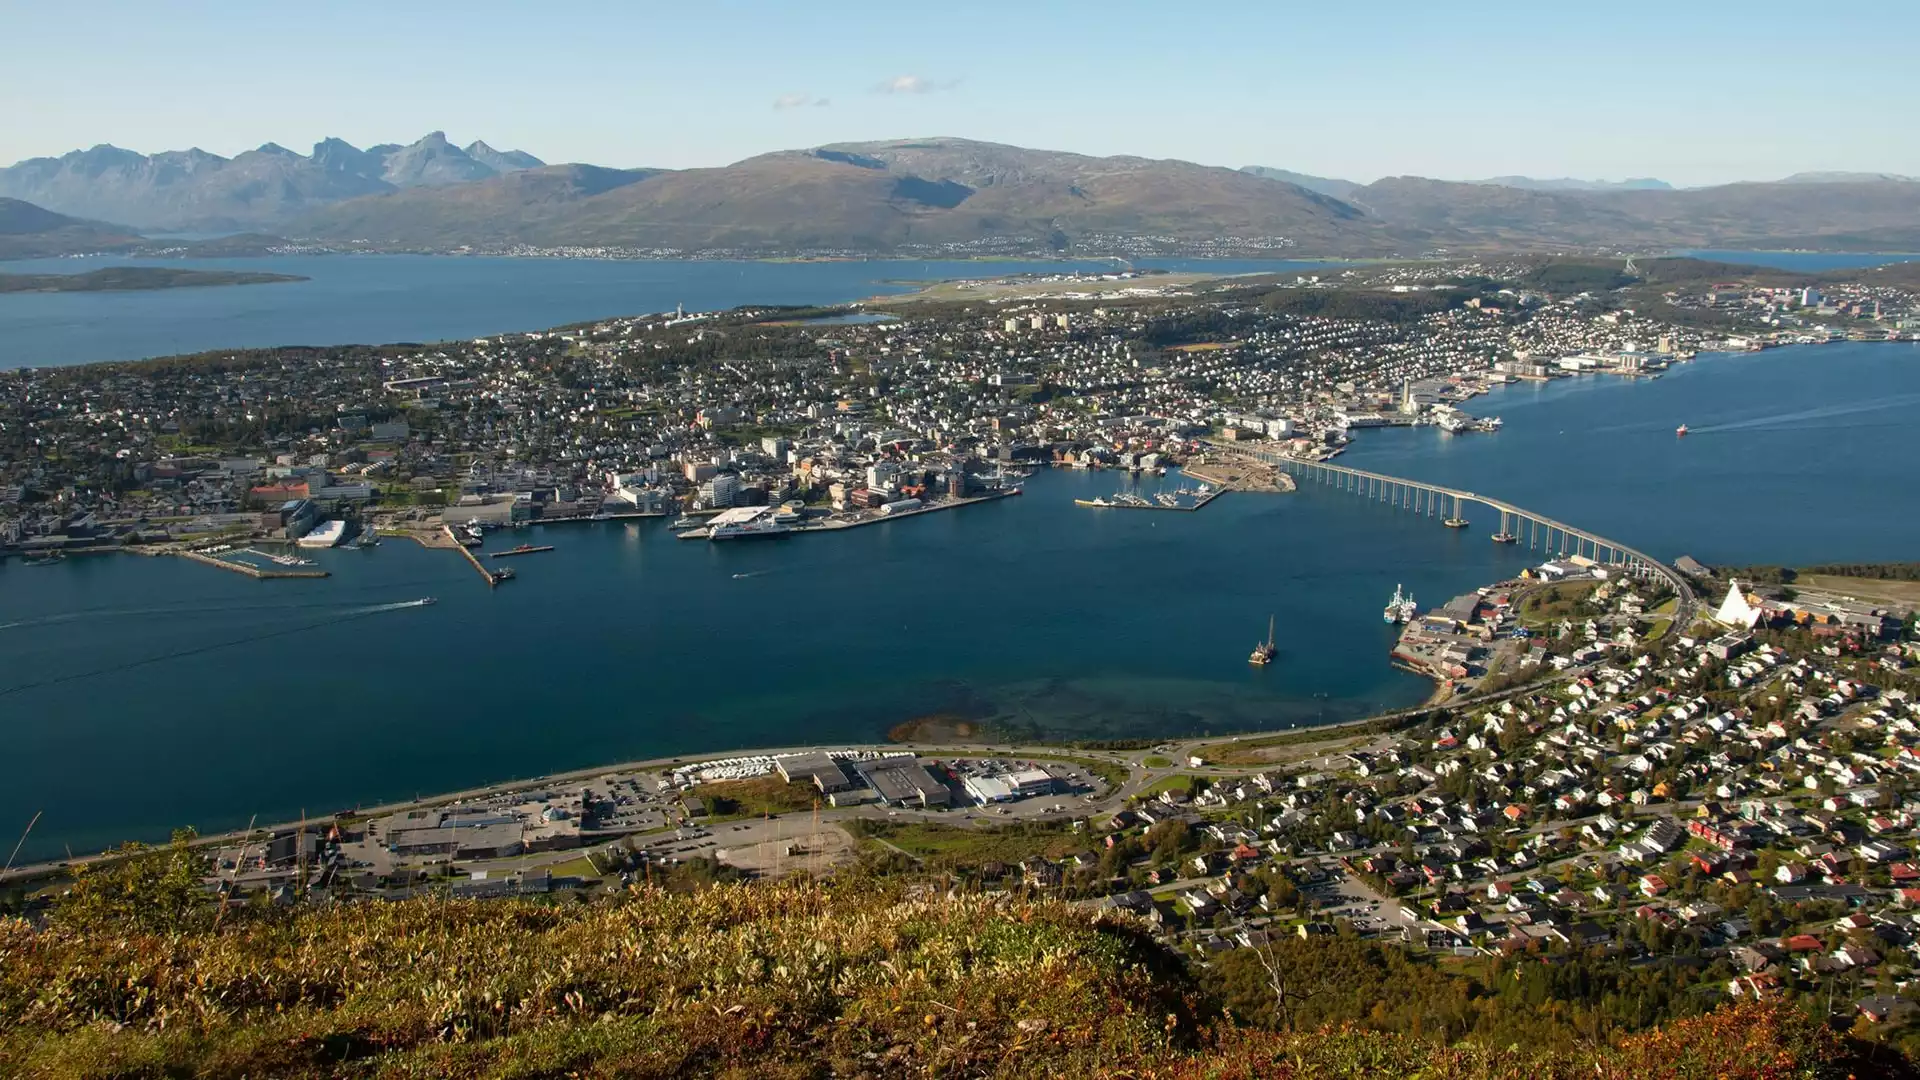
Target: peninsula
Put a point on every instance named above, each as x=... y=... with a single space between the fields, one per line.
x=135 y=279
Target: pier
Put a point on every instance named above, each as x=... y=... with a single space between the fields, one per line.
x=528 y=549
x=1517 y=525
x=1140 y=502
x=250 y=571
x=492 y=577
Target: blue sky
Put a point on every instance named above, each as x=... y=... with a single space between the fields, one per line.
x=1692 y=91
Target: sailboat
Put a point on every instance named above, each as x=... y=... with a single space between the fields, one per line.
x=1263 y=653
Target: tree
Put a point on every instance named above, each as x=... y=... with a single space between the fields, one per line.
x=150 y=889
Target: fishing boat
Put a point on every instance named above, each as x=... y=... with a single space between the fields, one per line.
x=1400 y=609
x=1264 y=652
x=1681 y=431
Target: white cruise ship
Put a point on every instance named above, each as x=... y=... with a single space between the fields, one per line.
x=325 y=535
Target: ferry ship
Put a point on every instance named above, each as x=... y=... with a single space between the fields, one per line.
x=1264 y=652
x=1399 y=609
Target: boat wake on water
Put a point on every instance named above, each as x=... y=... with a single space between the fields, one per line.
x=344 y=616
x=345 y=609
x=751 y=574
x=1802 y=417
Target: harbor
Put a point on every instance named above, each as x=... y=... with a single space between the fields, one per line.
x=1185 y=500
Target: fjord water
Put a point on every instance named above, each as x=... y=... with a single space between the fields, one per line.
x=155 y=692
x=1793 y=456
x=363 y=299
x=138 y=694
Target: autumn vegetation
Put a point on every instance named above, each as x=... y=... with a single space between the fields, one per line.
x=136 y=974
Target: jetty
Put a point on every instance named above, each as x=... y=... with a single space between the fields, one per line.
x=1165 y=501
x=491 y=577
x=523 y=549
x=243 y=568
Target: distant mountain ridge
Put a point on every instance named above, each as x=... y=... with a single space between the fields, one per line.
x=910 y=194
x=192 y=190
x=29 y=232
x=1528 y=183
x=936 y=194
x=871 y=196
x=1325 y=185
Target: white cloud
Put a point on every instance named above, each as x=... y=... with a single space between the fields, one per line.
x=913 y=84
x=800 y=101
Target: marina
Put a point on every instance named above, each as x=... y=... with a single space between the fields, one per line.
x=1183 y=499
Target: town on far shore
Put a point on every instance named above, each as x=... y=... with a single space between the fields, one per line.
x=759 y=422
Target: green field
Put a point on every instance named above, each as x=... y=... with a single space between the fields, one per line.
x=1171 y=783
x=962 y=845
x=756 y=798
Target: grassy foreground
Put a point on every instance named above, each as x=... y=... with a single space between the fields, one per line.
x=767 y=980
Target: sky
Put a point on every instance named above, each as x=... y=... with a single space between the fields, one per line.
x=1690 y=91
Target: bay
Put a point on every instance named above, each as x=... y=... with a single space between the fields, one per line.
x=372 y=299
x=140 y=694
x=146 y=693
x=1807 y=261
x=1793 y=456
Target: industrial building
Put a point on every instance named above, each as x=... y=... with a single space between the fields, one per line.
x=818 y=769
x=904 y=782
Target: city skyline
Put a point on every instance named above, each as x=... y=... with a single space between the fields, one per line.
x=1651 y=92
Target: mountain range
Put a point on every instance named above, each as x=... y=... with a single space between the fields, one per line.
x=194 y=191
x=946 y=194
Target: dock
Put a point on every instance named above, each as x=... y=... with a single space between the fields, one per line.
x=250 y=571
x=491 y=577
x=524 y=549
x=1138 y=503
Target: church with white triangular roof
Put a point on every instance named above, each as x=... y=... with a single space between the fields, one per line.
x=1737 y=610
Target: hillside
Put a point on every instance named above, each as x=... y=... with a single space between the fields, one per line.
x=1325 y=185
x=503 y=209
x=936 y=194
x=136 y=976
x=1869 y=215
x=31 y=232
x=876 y=196
x=192 y=190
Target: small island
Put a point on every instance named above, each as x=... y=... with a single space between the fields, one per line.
x=126 y=278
